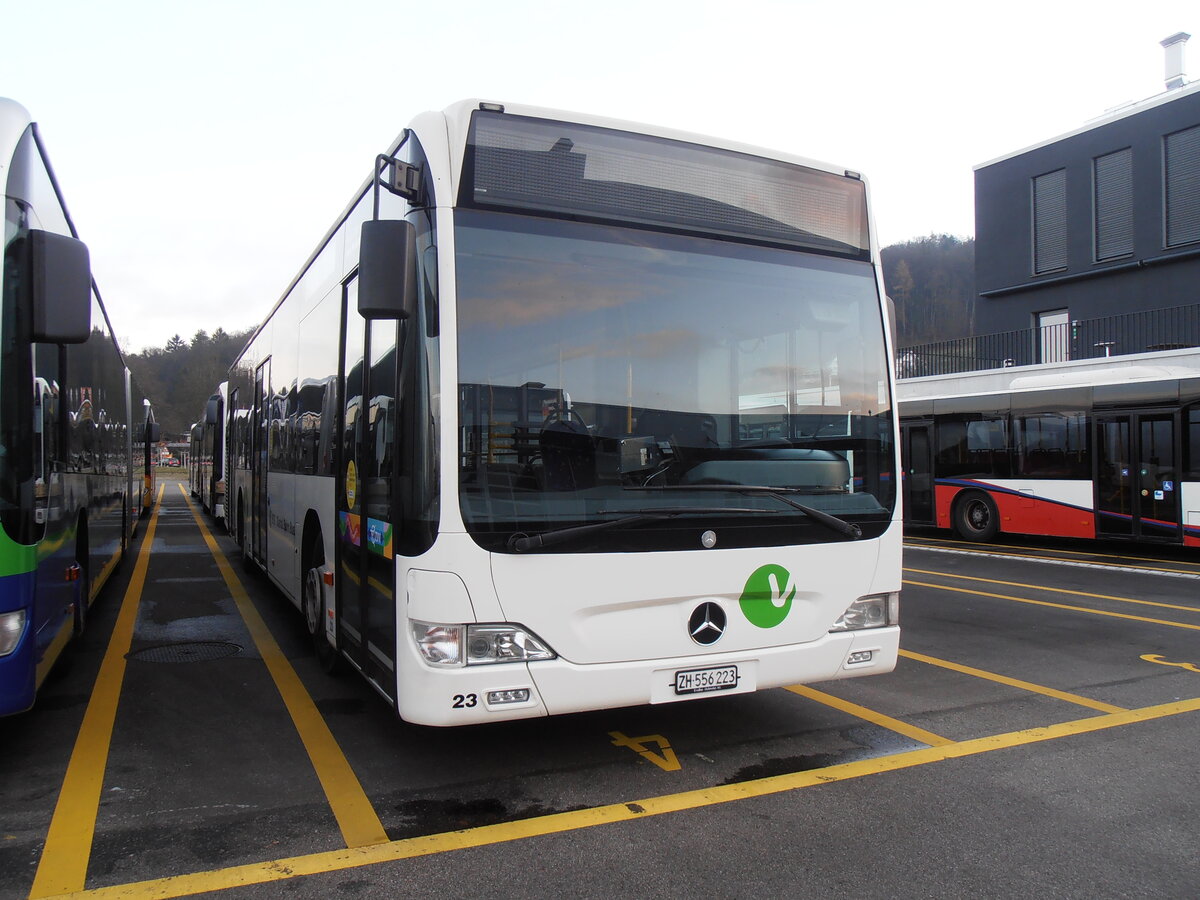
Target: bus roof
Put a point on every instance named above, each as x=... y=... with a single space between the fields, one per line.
x=1159 y=366
x=14 y=119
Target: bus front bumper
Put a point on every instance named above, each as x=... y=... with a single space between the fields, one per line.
x=493 y=693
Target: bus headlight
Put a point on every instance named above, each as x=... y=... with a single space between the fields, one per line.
x=503 y=643
x=12 y=626
x=870 y=612
x=472 y=645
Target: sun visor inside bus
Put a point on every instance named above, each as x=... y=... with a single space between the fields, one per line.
x=387 y=270
x=60 y=280
x=521 y=163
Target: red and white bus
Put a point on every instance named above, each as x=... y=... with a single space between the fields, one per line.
x=1105 y=448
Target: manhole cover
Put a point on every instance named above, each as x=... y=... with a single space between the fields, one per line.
x=188 y=651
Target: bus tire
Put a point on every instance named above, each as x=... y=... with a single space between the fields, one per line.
x=314 y=607
x=241 y=538
x=975 y=516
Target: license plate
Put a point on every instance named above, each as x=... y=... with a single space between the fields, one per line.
x=699 y=681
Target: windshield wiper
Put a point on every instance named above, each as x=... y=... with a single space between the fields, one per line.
x=833 y=523
x=521 y=542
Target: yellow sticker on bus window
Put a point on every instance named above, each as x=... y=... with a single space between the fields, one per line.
x=351 y=484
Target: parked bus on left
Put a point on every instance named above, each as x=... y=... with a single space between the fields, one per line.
x=76 y=433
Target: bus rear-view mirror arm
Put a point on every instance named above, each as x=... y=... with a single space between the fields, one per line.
x=387 y=270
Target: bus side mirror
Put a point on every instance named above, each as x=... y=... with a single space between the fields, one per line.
x=60 y=283
x=152 y=432
x=387 y=270
x=210 y=412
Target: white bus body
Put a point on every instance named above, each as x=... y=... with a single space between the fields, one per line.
x=617 y=428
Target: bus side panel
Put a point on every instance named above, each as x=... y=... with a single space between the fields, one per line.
x=282 y=551
x=944 y=495
x=1027 y=513
x=1026 y=510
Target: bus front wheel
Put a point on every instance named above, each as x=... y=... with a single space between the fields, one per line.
x=976 y=517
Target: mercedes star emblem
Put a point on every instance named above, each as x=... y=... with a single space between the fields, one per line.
x=707 y=623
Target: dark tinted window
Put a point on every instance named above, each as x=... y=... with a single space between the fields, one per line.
x=1053 y=445
x=522 y=163
x=972 y=446
x=1191 y=442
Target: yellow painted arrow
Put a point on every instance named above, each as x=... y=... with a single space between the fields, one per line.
x=1157 y=658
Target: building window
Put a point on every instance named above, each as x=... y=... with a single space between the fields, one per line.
x=1050 y=222
x=1112 y=178
x=1181 y=188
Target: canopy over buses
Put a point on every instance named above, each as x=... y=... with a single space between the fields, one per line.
x=75 y=431
x=564 y=413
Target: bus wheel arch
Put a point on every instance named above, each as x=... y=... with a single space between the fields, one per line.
x=313 y=603
x=974 y=516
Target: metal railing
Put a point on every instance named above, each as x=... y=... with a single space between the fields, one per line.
x=1139 y=332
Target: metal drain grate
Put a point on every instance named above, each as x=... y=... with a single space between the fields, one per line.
x=187 y=651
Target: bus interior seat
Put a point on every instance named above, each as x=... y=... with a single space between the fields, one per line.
x=568 y=456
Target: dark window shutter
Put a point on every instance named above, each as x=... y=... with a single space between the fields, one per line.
x=1114 y=204
x=1182 y=188
x=1050 y=222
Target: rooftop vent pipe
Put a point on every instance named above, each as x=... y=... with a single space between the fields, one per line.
x=1174 y=60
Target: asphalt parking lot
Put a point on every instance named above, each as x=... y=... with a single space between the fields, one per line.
x=1039 y=736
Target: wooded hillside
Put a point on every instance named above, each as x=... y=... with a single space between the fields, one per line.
x=180 y=377
x=932 y=281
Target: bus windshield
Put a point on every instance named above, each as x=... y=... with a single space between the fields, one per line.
x=598 y=363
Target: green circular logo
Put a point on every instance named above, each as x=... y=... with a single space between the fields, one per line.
x=767 y=597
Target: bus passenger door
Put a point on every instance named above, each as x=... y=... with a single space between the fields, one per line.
x=1158 y=478
x=259 y=501
x=917 y=461
x=1137 y=488
x=366 y=568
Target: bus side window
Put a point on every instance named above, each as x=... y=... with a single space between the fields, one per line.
x=1191 y=443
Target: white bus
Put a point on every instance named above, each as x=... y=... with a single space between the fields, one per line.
x=565 y=413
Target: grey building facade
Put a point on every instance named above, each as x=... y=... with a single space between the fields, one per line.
x=1090 y=242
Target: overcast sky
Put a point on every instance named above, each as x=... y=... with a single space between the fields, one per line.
x=204 y=148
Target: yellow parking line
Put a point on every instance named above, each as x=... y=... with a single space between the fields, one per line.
x=1067 y=606
x=557 y=823
x=64 y=860
x=870 y=715
x=1057 y=590
x=355 y=816
x=1014 y=682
